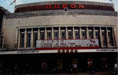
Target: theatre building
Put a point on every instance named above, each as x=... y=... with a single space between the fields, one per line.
x=59 y=36
x=2 y=12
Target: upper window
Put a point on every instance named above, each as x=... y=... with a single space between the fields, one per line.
x=35 y=36
x=42 y=34
x=90 y=33
x=28 y=38
x=83 y=32
x=22 y=38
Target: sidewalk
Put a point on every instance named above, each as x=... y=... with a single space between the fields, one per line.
x=97 y=73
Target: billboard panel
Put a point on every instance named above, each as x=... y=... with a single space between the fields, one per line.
x=69 y=44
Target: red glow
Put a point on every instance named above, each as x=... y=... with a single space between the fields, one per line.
x=56 y=6
x=64 y=5
x=73 y=5
x=67 y=48
x=48 y=6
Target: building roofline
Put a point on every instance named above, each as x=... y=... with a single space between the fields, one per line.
x=56 y=2
x=4 y=10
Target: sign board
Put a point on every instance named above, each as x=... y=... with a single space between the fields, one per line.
x=67 y=43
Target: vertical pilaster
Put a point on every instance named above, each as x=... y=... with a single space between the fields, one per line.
x=25 y=39
x=94 y=33
x=45 y=33
x=66 y=33
x=18 y=38
x=101 y=39
x=32 y=40
x=114 y=35
x=38 y=33
x=107 y=39
x=73 y=33
x=59 y=32
x=80 y=32
x=87 y=35
x=52 y=33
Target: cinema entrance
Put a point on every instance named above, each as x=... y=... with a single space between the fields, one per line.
x=56 y=63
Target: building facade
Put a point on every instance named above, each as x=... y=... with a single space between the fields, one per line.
x=59 y=30
x=2 y=12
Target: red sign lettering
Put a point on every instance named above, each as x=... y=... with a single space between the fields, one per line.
x=73 y=5
x=48 y=6
x=56 y=6
x=81 y=6
x=64 y=5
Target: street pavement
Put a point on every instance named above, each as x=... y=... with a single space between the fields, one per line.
x=97 y=73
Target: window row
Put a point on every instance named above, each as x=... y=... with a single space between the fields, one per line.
x=28 y=37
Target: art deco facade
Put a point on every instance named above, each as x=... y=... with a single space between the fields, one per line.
x=89 y=22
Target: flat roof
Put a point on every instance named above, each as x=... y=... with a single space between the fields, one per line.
x=36 y=6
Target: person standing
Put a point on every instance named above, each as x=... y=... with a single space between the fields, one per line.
x=91 y=68
x=115 y=68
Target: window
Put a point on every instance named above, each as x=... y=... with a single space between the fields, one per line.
x=35 y=37
x=49 y=35
x=63 y=33
x=104 y=38
x=22 y=36
x=97 y=33
x=28 y=38
x=70 y=33
x=56 y=35
x=77 y=33
x=83 y=33
x=90 y=33
x=42 y=34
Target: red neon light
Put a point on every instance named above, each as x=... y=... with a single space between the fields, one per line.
x=73 y=5
x=81 y=6
x=48 y=6
x=56 y=6
x=64 y=5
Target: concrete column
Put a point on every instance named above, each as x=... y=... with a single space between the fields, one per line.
x=18 y=38
x=73 y=33
x=107 y=39
x=45 y=33
x=25 y=39
x=32 y=39
x=66 y=33
x=101 y=39
x=114 y=35
x=94 y=33
x=52 y=33
x=59 y=32
x=87 y=35
x=38 y=33
x=80 y=33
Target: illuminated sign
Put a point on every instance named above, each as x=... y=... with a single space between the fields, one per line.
x=62 y=6
x=67 y=44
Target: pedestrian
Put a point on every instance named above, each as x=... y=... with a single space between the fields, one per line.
x=75 y=67
x=115 y=68
x=91 y=68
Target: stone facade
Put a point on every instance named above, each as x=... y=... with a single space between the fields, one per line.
x=34 y=19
